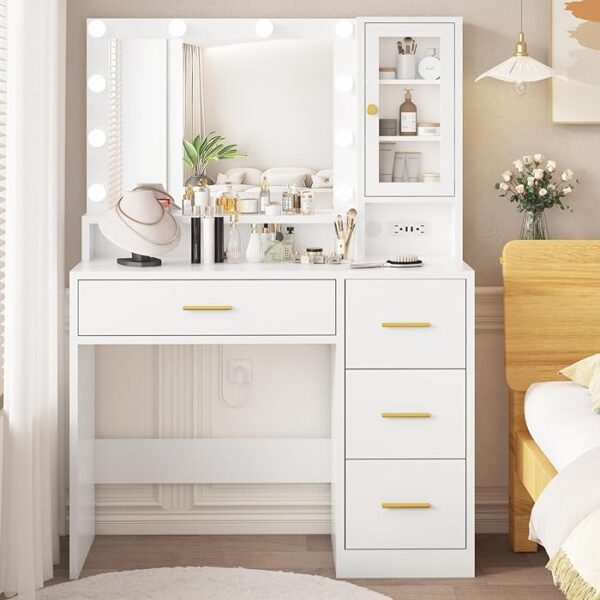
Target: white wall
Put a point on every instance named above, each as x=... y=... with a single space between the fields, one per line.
x=281 y=111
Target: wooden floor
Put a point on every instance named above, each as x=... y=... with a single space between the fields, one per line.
x=501 y=574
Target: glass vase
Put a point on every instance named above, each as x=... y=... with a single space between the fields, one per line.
x=534 y=226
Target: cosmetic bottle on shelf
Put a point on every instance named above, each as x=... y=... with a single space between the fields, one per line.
x=234 y=254
x=201 y=196
x=408 y=115
x=289 y=245
x=227 y=201
x=274 y=249
x=219 y=236
x=265 y=195
x=196 y=226
x=187 y=202
x=208 y=237
x=254 y=251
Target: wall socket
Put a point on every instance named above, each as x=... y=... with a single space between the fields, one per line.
x=408 y=228
x=239 y=371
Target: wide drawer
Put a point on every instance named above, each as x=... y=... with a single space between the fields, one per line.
x=405 y=324
x=405 y=504
x=206 y=307
x=405 y=414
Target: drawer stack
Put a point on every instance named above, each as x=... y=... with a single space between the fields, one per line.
x=405 y=414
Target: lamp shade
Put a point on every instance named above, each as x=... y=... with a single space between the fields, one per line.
x=519 y=69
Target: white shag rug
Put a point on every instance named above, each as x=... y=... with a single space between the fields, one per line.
x=206 y=583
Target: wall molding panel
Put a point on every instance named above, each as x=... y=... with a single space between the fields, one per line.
x=181 y=391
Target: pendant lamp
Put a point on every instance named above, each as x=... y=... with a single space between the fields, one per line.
x=520 y=68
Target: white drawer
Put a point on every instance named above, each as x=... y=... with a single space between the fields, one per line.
x=436 y=485
x=201 y=307
x=405 y=414
x=405 y=324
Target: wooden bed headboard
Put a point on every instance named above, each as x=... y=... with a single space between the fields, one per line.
x=551 y=320
x=551 y=307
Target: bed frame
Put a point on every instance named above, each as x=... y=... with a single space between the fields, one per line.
x=551 y=319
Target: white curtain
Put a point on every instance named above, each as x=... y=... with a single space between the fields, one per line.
x=29 y=522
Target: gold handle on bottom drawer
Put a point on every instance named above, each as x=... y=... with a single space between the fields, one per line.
x=406 y=415
x=206 y=307
x=405 y=505
x=405 y=324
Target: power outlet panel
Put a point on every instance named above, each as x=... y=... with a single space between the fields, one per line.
x=409 y=228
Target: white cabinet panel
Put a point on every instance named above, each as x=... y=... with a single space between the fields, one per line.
x=405 y=324
x=396 y=504
x=232 y=307
x=405 y=414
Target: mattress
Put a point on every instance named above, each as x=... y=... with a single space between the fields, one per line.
x=561 y=421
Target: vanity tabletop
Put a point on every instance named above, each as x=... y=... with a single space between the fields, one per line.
x=107 y=268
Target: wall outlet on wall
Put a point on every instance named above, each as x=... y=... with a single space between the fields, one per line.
x=417 y=228
x=239 y=371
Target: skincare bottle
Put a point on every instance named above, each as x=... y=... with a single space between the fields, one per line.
x=235 y=253
x=187 y=202
x=274 y=248
x=201 y=196
x=265 y=195
x=265 y=237
x=254 y=251
x=196 y=225
x=208 y=237
x=289 y=245
x=219 y=236
x=408 y=115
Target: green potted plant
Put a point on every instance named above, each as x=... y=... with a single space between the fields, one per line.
x=200 y=152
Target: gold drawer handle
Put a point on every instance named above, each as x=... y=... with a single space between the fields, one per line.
x=372 y=109
x=405 y=505
x=398 y=324
x=206 y=307
x=406 y=415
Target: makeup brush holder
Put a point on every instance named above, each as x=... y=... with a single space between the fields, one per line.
x=406 y=67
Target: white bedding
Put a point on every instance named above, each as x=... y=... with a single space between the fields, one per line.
x=560 y=420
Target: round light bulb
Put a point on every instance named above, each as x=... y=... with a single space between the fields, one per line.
x=343 y=138
x=343 y=192
x=96 y=192
x=97 y=83
x=344 y=29
x=344 y=84
x=264 y=28
x=96 y=28
x=97 y=138
x=177 y=28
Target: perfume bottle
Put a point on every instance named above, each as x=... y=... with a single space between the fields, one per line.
x=234 y=252
x=227 y=200
x=408 y=115
x=254 y=251
x=187 y=202
x=274 y=248
x=265 y=195
x=289 y=245
x=219 y=235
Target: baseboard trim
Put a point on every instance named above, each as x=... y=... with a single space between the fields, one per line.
x=491 y=516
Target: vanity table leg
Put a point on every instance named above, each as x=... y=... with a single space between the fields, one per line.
x=82 y=498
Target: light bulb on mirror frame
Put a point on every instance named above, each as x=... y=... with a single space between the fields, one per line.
x=521 y=88
x=96 y=28
x=264 y=28
x=96 y=192
x=96 y=138
x=177 y=28
x=97 y=83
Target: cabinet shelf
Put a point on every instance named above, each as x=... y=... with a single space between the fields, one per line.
x=320 y=217
x=409 y=138
x=409 y=81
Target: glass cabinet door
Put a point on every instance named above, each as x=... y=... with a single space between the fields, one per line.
x=408 y=155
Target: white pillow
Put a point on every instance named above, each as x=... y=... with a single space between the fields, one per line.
x=237 y=176
x=288 y=176
x=323 y=179
x=252 y=176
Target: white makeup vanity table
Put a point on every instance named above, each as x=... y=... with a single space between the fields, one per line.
x=400 y=458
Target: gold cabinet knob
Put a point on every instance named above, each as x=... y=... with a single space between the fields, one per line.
x=372 y=109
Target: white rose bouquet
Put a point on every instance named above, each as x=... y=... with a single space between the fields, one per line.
x=531 y=185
